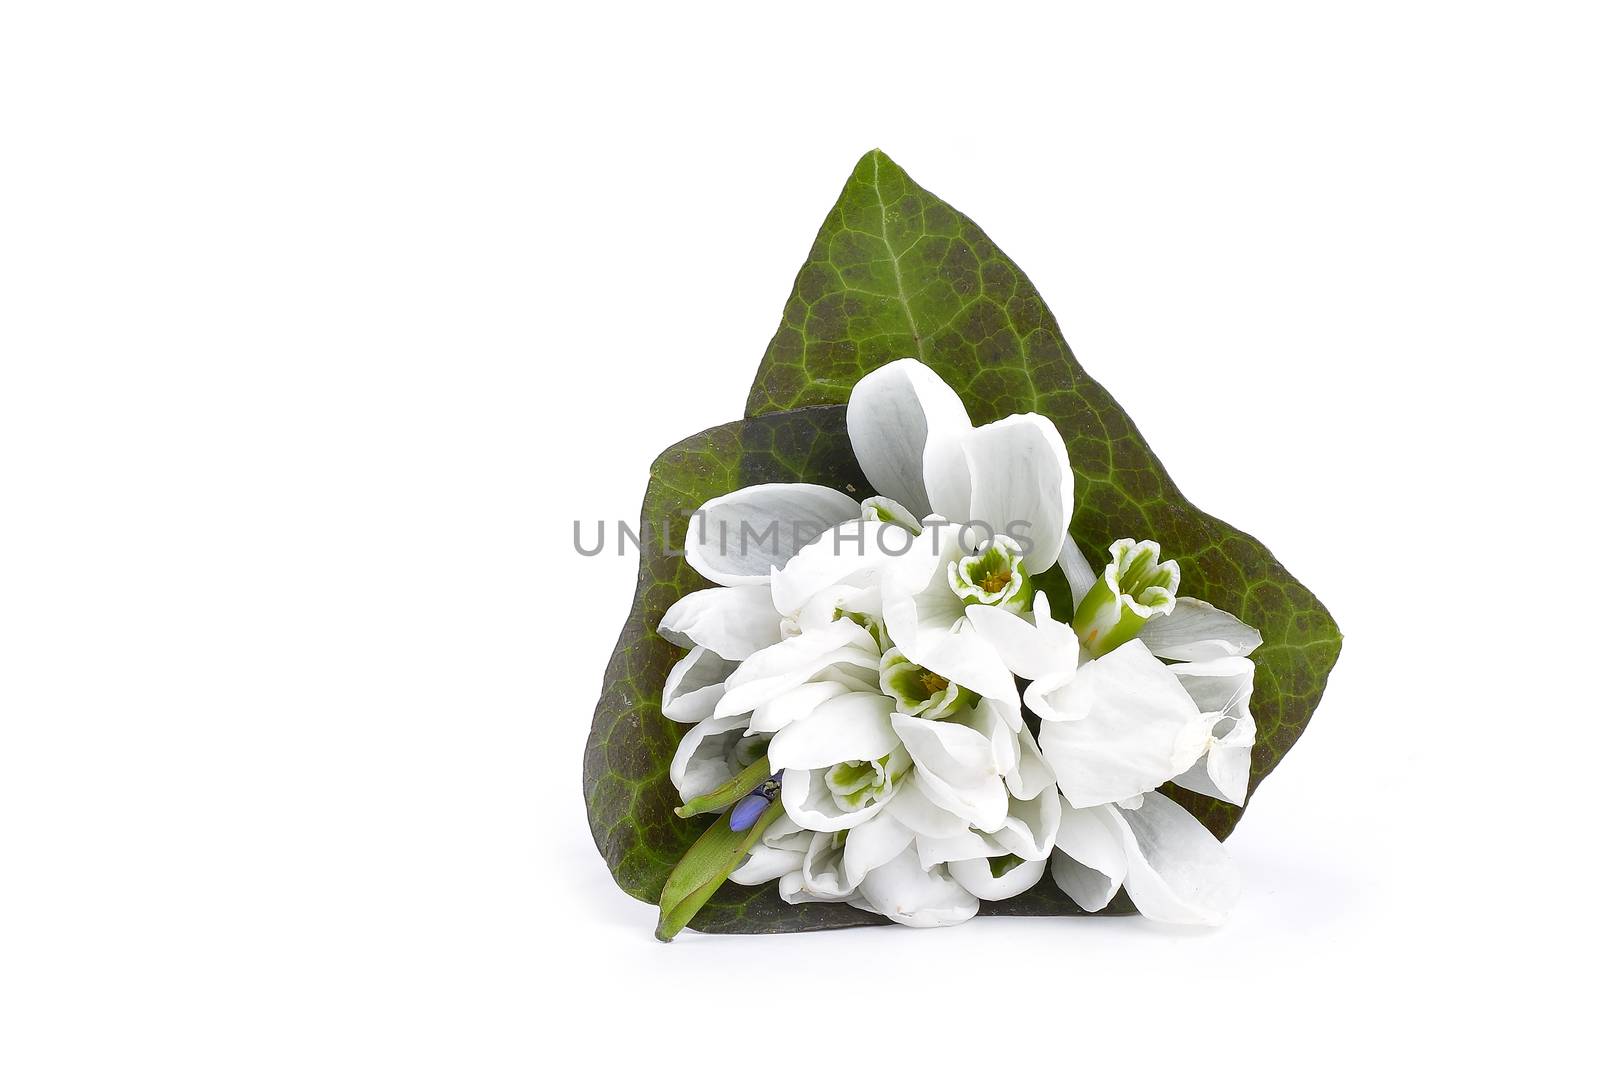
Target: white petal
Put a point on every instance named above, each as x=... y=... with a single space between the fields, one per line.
x=1001 y=725
x=872 y=844
x=945 y=472
x=737 y=539
x=1028 y=650
x=918 y=603
x=1081 y=576
x=972 y=663
x=965 y=845
x=793 y=705
x=792 y=888
x=822 y=869
x=1032 y=775
x=955 y=769
x=1177 y=872
x=1022 y=484
x=733 y=623
x=851 y=553
x=890 y=416
x=903 y=891
x=850 y=726
x=912 y=808
x=1032 y=826
x=764 y=863
x=694 y=685
x=703 y=759
x=884 y=509
x=1197 y=631
x=977 y=878
x=1131 y=727
x=779 y=668
x=1091 y=860
x=1221 y=688
x=809 y=802
x=1090 y=889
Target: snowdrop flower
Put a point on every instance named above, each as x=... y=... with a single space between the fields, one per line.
x=1115 y=728
x=868 y=656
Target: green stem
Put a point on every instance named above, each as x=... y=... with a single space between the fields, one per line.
x=705 y=867
x=728 y=791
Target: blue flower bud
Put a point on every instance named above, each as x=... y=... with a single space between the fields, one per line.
x=747 y=811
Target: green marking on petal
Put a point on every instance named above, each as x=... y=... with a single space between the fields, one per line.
x=994 y=576
x=857 y=783
x=883 y=509
x=919 y=691
x=1136 y=586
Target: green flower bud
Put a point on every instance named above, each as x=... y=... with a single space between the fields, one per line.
x=1136 y=586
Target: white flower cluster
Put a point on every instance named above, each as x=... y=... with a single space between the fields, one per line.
x=940 y=736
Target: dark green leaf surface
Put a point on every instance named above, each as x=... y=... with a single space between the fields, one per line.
x=896 y=272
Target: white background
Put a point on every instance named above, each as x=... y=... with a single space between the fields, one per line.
x=320 y=323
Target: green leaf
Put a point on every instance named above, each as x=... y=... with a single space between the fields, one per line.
x=705 y=867
x=897 y=272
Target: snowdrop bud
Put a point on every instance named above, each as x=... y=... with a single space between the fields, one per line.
x=1136 y=586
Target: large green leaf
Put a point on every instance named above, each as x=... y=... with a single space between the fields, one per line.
x=897 y=272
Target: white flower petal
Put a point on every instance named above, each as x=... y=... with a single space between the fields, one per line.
x=965 y=845
x=972 y=663
x=1028 y=650
x=872 y=844
x=703 y=760
x=955 y=769
x=822 y=869
x=694 y=685
x=734 y=623
x=1132 y=728
x=778 y=668
x=1001 y=725
x=1032 y=775
x=1221 y=688
x=891 y=414
x=810 y=803
x=977 y=878
x=1022 y=484
x=793 y=705
x=792 y=888
x=737 y=539
x=912 y=808
x=918 y=603
x=1091 y=860
x=1197 y=631
x=851 y=553
x=1032 y=826
x=904 y=892
x=1177 y=872
x=884 y=509
x=764 y=863
x=850 y=726
x=945 y=472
